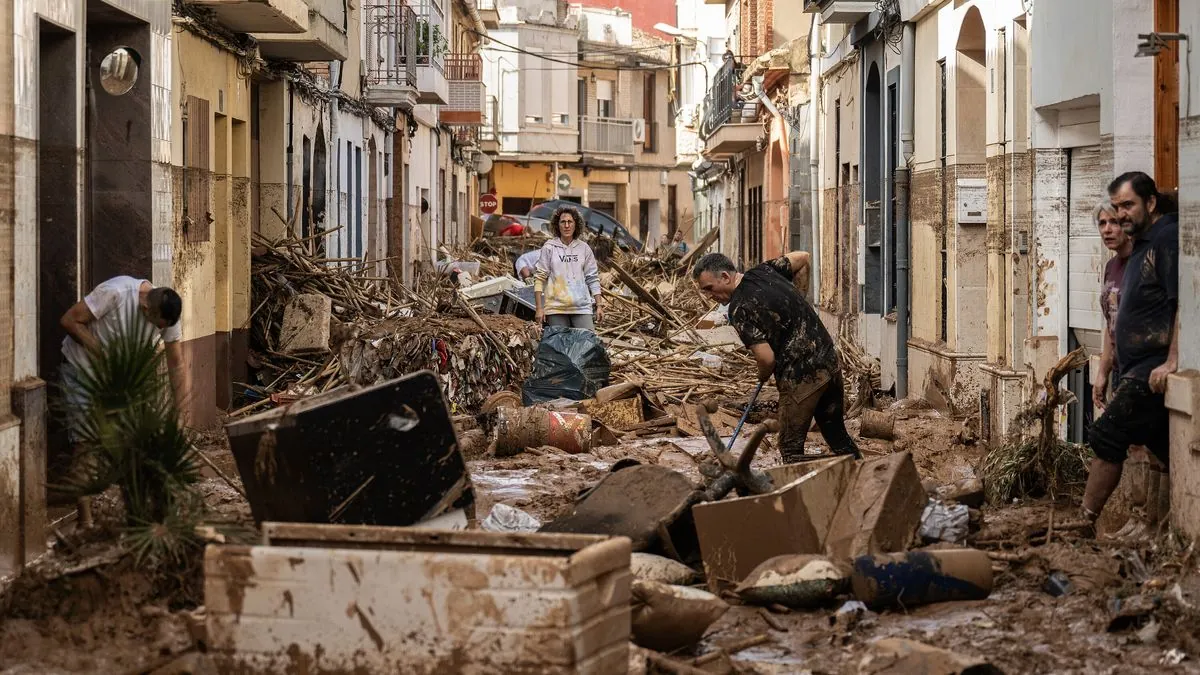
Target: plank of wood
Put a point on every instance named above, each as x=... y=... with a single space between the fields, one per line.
x=698 y=250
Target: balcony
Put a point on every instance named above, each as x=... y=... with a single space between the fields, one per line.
x=324 y=40
x=605 y=136
x=430 y=50
x=729 y=125
x=488 y=12
x=391 y=36
x=259 y=16
x=489 y=133
x=464 y=77
x=841 y=11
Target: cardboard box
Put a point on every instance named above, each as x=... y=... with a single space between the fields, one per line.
x=834 y=506
x=880 y=510
x=737 y=534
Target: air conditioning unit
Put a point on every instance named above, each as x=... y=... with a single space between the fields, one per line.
x=639 y=130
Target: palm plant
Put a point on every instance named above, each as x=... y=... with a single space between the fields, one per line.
x=129 y=435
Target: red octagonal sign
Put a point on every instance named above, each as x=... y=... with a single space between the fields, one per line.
x=488 y=203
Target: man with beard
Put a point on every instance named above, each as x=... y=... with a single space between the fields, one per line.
x=787 y=339
x=1146 y=336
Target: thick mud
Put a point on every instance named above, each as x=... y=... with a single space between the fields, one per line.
x=1130 y=609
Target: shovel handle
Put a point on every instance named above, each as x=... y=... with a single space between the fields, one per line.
x=738 y=429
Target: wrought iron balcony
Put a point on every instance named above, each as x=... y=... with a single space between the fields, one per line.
x=720 y=100
x=391 y=47
x=606 y=135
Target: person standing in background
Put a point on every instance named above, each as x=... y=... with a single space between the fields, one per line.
x=566 y=285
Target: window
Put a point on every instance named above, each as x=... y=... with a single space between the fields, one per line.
x=604 y=98
x=358 y=204
x=197 y=186
x=305 y=183
x=648 y=95
x=533 y=75
x=351 y=193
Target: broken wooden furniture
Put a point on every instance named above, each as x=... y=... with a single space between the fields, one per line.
x=380 y=455
x=652 y=505
x=333 y=598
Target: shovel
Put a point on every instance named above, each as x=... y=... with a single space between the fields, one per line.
x=738 y=429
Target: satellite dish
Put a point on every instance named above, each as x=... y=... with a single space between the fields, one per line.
x=482 y=164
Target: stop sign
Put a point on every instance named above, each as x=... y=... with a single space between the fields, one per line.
x=488 y=203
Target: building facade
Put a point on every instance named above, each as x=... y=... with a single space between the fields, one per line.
x=754 y=177
x=583 y=112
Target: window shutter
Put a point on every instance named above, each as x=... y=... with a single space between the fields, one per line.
x=197 y=176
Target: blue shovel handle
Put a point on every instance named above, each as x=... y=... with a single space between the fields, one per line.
x=738 y=429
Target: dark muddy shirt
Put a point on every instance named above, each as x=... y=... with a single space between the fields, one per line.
x=766 y=307
x=1149 y=299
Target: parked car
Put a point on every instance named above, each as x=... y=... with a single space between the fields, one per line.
x=497 y=223
x=597 y=222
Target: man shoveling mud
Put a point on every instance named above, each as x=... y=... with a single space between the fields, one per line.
x=787 y=339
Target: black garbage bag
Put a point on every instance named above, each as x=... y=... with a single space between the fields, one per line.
x=570 y=363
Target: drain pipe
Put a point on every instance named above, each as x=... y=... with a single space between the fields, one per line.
x=290 y=214
x=904 y=224
x=814 y=152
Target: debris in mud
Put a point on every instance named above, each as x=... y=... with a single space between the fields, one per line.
x=795 y=581
x=505 y=518
x=384 y=455
x=945 y=522
x=896 y=655
x=668 y=617
x=1036 y=462
x=650 y=567
x=418 y=601
x=922 y=577
x=521 y=428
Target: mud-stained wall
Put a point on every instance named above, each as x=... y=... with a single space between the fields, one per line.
x=211 y=266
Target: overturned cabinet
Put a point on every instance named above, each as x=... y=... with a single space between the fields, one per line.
x=336 y=598
x=380 y=455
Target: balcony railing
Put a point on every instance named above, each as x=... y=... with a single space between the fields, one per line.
x=465 y=135
x=719 y=103
x=391 y=38
x=464 y=67
x=606 y=135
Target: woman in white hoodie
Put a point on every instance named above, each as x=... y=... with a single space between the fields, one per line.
x=566 y=283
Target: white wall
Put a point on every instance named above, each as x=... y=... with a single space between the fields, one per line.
x=1189 y=192
x=1071 y=52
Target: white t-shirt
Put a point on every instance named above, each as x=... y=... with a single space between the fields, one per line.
x=111 y=302
x=529 y=260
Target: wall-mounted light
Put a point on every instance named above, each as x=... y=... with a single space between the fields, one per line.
x=1153 y=43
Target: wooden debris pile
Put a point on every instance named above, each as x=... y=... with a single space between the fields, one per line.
x=861 y=374
x=468 y=357
x=379 y=330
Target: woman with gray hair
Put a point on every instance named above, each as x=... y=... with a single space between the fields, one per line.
x=1116 y=240
x=566 y=283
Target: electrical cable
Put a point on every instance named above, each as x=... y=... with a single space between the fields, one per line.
x=577 y=64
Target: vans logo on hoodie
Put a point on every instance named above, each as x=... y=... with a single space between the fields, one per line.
x=569 y=258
